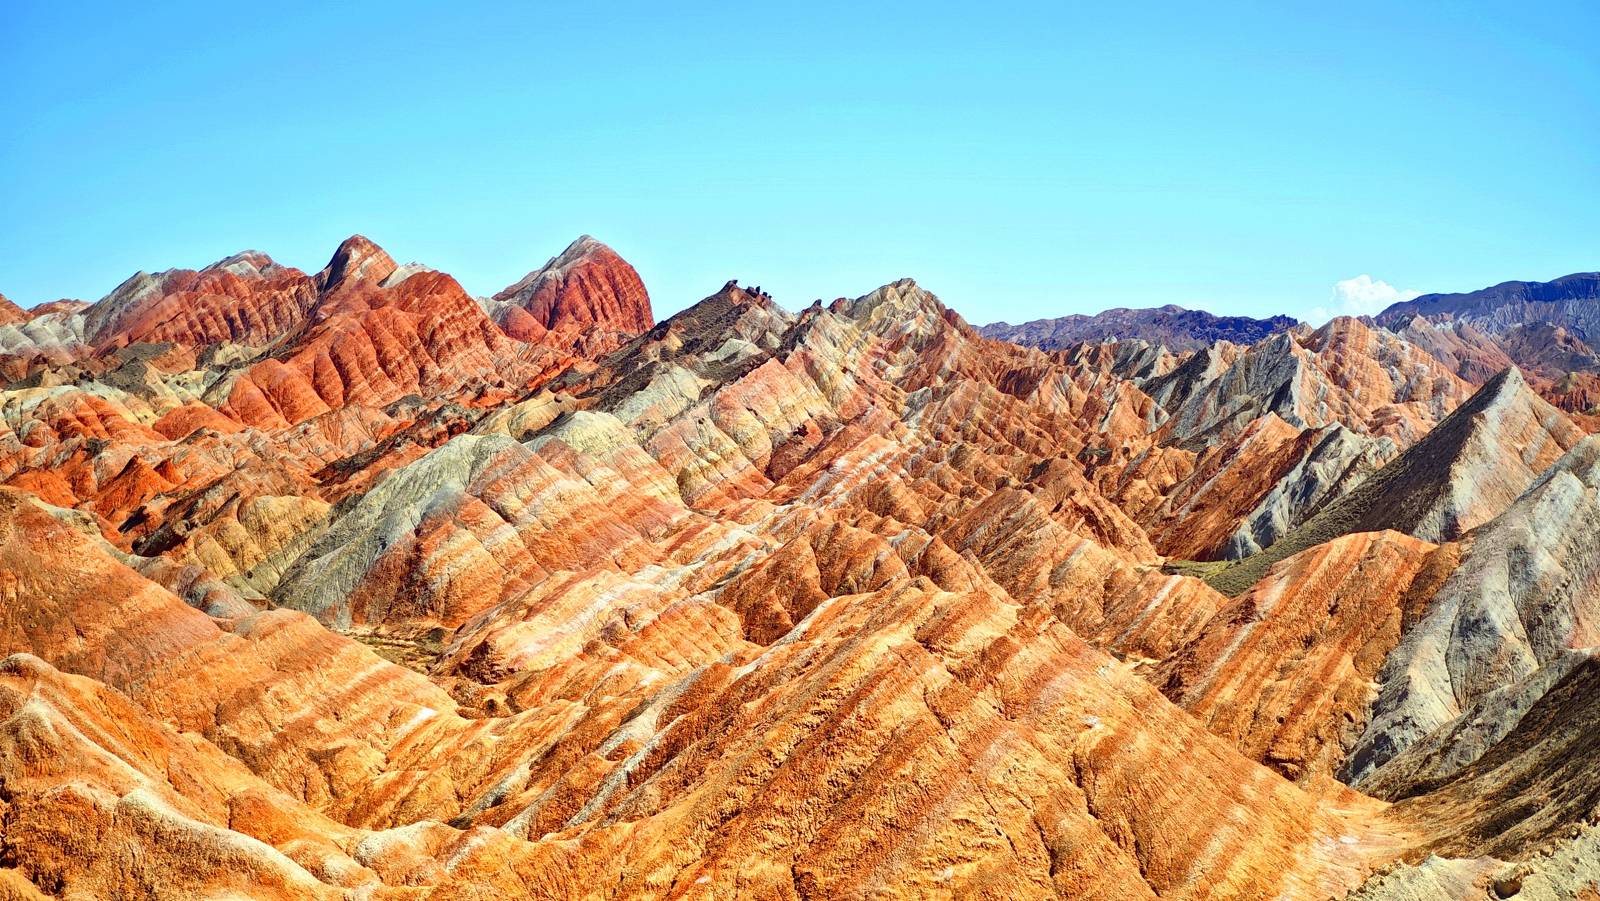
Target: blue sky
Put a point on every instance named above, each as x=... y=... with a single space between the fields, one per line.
x=1020 y=160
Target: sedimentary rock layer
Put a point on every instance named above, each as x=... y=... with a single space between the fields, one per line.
x=350 y=585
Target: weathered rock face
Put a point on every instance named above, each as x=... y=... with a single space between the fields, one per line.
x=105 y=801
x=1171 y=326
x=636 y=783
x=1506 y=627
x=52 y=333
x=1528 y=788
x=1545 y=328
x=1246 y=493
x=246 y=298
x=1367 y=379
x=1335 y=461
x=1466 y=349
x=361 y=596
x=1564 y=869
x=10 y=313
x=1548 y=351
x=1286 y=670
x=1528 y=801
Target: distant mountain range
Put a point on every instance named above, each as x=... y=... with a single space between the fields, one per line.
x=1172 y=326
x=1572 y=302
x=1545 y=328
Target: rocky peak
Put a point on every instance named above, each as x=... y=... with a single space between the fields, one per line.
x=1461 y=346
x=251 y=265
x=246 y=297
x=1463 y=473
x=748 y=314
x=1572 y=301
x=1519 y=613
x=106 y=316
x=585 y=286
x=903 y=296
x=901 y=309
x=780 y=565
x=63 y=306
x=745 y=296
x=356 y=259
x=11 y=313
x=402 y=273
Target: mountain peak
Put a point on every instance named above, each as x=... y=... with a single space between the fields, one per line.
x=1463 y=473
x=248 y=264
x=585 y=286
x=1572 y=301
x=356 y=259
x=915 y=556
x=10 y=312
x=583 y=249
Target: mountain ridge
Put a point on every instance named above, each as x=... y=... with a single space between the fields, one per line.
x=345 y=584
x=1571 y=301
x=1173 y=326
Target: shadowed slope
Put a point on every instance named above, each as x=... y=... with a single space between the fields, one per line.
x=1461 y=475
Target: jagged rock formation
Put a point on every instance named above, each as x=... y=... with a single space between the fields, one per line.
x=348 y=585
x=1506 y=627
x=1466 y=349
x=246 y=298
x=1171 y=326
x=1250 y=442
x=1518 y=802
x=10 y=313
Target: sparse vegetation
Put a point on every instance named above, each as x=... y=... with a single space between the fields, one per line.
x=1199 y=569
x=413 y=654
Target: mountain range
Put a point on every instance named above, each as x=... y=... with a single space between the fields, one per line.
x=351 y=585
x=1172 y=326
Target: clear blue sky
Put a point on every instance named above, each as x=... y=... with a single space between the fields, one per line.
x=1020 y=160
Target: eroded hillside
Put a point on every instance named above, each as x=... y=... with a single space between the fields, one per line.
x=351 y=585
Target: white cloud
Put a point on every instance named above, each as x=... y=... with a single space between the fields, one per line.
x=1359 y=296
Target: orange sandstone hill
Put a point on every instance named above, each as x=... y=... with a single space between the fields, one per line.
x=350 y=585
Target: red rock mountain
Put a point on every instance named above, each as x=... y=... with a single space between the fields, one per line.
x=351 y=586
x=245 y=299
x=10 y=313
x=587 y=294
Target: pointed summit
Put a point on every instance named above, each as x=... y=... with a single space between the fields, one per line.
x=587 y=285
x=356 y=259
x=10 y=313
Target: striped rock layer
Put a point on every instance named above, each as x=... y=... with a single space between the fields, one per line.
x=353 y=586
